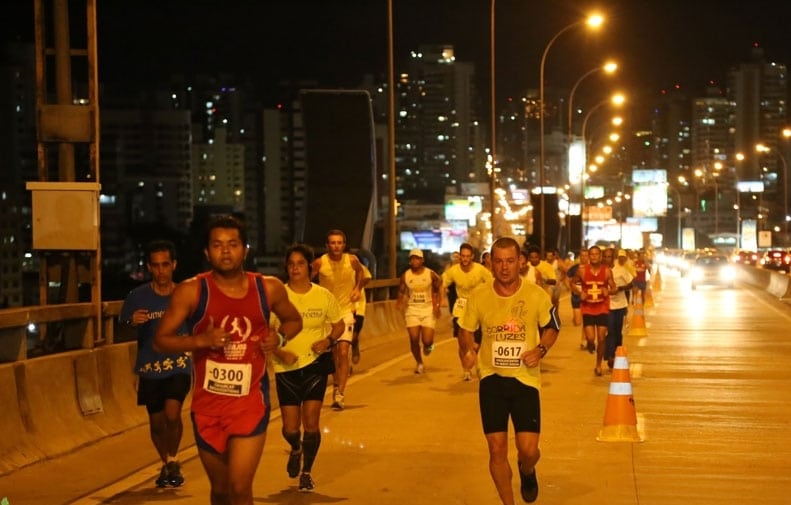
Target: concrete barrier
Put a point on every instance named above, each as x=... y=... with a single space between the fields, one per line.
x=58 y=403
x=775 y=283
x=16 y=446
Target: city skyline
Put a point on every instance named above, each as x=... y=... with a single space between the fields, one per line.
x=659 y=44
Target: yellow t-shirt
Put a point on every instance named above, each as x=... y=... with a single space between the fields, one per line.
x=465 y=282
x=318 y=308
x=547 y=271
x=339 y=277
x=509 y=325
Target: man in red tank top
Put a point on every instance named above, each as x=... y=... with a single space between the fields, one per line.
x=594 y=282
x=228 y=310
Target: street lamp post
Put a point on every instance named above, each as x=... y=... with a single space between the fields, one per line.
x=492 y=114
x=678 y=215
x=392 y=210
x=593 y=21
x=616 y=99
x=716 y=205
x=785 y=193
x=738 y=217
x=609 y=68
x=583 y=230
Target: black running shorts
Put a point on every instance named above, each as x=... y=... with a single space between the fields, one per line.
x=153 y=392
x=503 y=397
x=297 y=386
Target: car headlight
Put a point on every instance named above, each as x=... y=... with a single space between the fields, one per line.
x=727 y=273
x=696 y=273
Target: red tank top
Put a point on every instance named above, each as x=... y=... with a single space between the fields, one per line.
x=640 y=268
x=231 y=379
x=594 y=286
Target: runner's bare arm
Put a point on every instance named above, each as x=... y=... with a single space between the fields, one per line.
x=287 y=314
x=182 y=304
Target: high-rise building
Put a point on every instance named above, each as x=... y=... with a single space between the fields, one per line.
x=437 y=136
x=145 y=184
x=713 y=172
x=17 y=166
x=284 y=176
x=759 y=90
x=672 y=132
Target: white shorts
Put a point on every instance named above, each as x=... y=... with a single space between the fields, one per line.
x=424 y=320
x=348 y=327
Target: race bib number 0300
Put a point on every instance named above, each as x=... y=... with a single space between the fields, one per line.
x=506 y=354
x=228 y=379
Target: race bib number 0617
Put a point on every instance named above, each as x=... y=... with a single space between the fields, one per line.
x=506 y=354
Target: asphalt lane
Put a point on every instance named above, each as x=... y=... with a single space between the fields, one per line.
x=710 y=383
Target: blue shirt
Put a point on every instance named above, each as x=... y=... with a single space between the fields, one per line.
x=149 y=363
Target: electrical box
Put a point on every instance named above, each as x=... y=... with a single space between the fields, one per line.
x=65 y=215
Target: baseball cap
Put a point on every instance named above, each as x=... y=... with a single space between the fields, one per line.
x=621 y=252
x=416 y=252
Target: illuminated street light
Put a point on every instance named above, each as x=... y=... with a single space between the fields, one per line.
x=609 y=68
x=593 y=21
x=617 y=99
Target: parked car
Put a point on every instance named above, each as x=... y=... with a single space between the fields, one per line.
x=776 y=259
x=712 y=269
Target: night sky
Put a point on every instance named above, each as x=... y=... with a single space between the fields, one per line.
x=659 y=43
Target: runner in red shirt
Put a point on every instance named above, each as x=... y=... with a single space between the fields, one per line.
x=227 y=310
x=594 y=282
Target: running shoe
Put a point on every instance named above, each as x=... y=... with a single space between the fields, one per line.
x=419 y=369
x=306 y=483
x=355 y=352
x=164 y=477
x=337 y=403
x=175 y=478
x=428 y=349
x=294 y=461
x=467 y=376
x=529 y=486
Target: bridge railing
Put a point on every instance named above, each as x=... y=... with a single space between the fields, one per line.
x=29 y=332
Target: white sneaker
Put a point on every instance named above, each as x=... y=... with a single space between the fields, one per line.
x=467 y=375
x=419 y=368
x=337 y=403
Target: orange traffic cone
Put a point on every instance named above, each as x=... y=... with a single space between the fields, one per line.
x=637 y=326
x=657 y=285
x=649 y=297
x=620 y=416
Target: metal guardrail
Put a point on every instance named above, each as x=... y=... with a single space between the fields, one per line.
x=40 y=330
